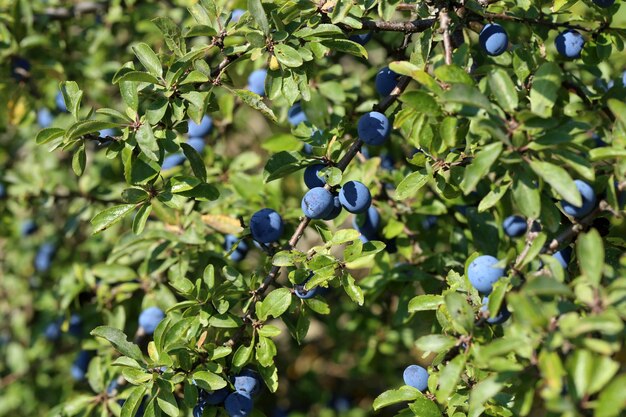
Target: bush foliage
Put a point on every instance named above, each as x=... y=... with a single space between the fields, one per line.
x=109 y=207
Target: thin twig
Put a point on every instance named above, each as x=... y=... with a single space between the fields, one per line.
x=444 y=21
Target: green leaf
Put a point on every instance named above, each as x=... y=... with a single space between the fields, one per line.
x=270 y=376
x=282 y=164
x=139 y=222
x=243 y=355
x=133 y=401
x=559 y=179
x=352 y=289
x=166 y=400
x=410 y=185
x=590 y=254
x=256 y=102
x=344 y=45
x=255 y=8
x=453 y=74
x=265 y=351
x=195 y=160
x=480 y=166
x=612 y=401
x=618 y=108
x=287 y=56
x=481 y=393
x=460 y=311
x=110 y=216
x=48 y=134
x=435 y=343
x=148 y=59
x=117 y=338
x=493 y=197
x=449 y=378
x=425 y=302
x=275 y=304
x=324 y=29
x=85 y=127
x=128 y=74
x=604 y=153
x=79 y=159
x=344 y=235
x=171 y=34
x=394 y=396
x=422 y=102
x=72 y=95
x=545 y=88
x=469 y=96
x=208 y=380
x=147 y=142
x=503 y=89
x=425 y=407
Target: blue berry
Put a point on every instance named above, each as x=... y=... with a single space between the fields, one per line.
x=564 y=256
x=296 y=115
x=514 y=226
x=247 y=383
x=150 y=318
x=604 y=3
x=355 y=197
x=173 y=160
x=53 y=330
x=493 y=39
x=214 y=397
x=266 y=226
x=43 y=258
x=361 y=38
x=195 y=130
x=416 y=377
x=238 y=405
x=482 y=273
x=236 y=15
x=76 y=325
x=317 y=203
x=429 y=222
x=60 y=102
x=81 y=364
x=335 y=211
x=256 y=81
x=569 y=43
x=588 y=201
x=196 y=143
x=28 y=227
x=386 y=81
x=374 y=128
x=368 y=223
x=240 y=252
x=44 y=117
x=312 y=178
x=20 y=68
x=502 y=316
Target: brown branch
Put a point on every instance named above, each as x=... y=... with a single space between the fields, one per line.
x=415 y=26
x=573 y=230
x=444 y=22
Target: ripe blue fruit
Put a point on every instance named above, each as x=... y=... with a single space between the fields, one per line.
x=368 y=223
x=3 y=191
x=303 y=293
x=386 y=162
x=53 y=330
x=317 y=203
x=589 y=201
x=198 y=410
x=247 y=383
x=196 y=143
x=373 y=128
x=569 y=43
x=60 y=102
x=386 y=81
x=240 y=252
x=564 y=256
x=482 y=273
x=416 y=377
x=44 y=117
x=173 y=160
x=355 y=197
x=335 y=211
x=502 y=316
x=238 y=405
x=256 y=81
x=311 y=177
x=28 y=227
x=112 y=387
x=236 y=15
x=80 y=365
x=429 y=222
x=20 y=68
x=307 y=149
x=604 y=3
x=150 y=318
x=266 y=226
x=76 y=325
x=296 y=115
x=43 y=258
x=361 y=38
x=214 y=397
x=514 y=226
x=493 y=39
x=195 y=130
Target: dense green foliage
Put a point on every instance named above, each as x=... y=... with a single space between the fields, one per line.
x=109 y=207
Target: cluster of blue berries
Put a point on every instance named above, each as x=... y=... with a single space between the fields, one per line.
x=196 y=133
x=238 y=403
